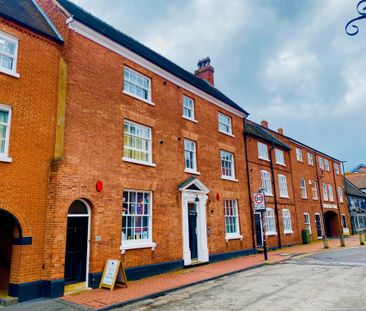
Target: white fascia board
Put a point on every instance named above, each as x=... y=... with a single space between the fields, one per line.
x=96 y=37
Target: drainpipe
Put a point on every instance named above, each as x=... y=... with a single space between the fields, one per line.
x=341 y=237
x=249 y=189
x=275 y=196
x=324 y=237
x=346 y=193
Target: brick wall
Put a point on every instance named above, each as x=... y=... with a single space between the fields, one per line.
x=23 y=183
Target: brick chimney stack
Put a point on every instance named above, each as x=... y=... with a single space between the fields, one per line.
x=205 y=71
x=264 y=123
x=280 y=131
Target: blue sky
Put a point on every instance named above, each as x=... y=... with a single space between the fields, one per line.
x=286 y=61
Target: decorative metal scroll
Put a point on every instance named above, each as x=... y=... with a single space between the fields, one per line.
x=351 y=28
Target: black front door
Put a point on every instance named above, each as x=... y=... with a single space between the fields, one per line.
x=258 y=229
x=318 y=225
x=76 y=249
x=192 y=221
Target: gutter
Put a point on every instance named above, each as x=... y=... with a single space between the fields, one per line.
x=249 y=189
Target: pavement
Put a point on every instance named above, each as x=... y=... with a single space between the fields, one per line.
x=144 y=292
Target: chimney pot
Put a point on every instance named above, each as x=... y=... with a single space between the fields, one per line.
x=280 y=131
x=205 y=71
x=264 y=123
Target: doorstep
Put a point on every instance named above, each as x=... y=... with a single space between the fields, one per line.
x=76 y=288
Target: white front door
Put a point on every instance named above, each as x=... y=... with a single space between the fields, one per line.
x=194 y=226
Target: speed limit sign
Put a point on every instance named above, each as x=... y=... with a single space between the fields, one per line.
x=259 y=201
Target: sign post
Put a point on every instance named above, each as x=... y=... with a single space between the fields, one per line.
x=260 y=206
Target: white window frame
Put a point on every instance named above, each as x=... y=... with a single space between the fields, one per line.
x=232 y=161
x=340 y=194
x=280 y=157
x=234 y=218
x=325 y=192
x=321 y=163
x=307 y=223
x=270 y=222
x=137 y=161
x=310 y=159
x=266 y=182
x=139 y=75
x=4 y=156
x=336 y=168
x=194 y=151
x=330 y=193
x=299 y=155
x=142 y=243
x=262 y=151
x=326 y=165
x=303 y=190
x=286 y=221
x=191 y=109
x=229 y=125
x=314 y=190
x=282 y=182
x=13 y=71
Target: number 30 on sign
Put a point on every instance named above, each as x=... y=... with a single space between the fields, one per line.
x=259 y=201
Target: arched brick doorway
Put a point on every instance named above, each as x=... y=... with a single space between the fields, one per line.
x=331 y=224
x=10 y=230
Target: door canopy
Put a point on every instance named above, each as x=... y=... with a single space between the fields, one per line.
x=193 y=184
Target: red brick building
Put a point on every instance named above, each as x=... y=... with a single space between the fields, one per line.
x=165 y=146
x=309 y=185
x=147 y=163
x=29 y=68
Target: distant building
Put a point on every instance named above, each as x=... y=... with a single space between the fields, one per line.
x=361 y=168
x=357 y=206
x=358 y=177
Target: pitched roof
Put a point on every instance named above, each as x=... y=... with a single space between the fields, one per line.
x=359 y=168
x=28 y=14
x=119 y=37
x=351 y=189
x=256 y=130
x=358 y=179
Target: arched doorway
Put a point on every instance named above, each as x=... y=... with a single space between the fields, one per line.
x=331 y=224
x=77 y=243
x=9 y=230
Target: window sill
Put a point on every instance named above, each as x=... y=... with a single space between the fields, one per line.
x=264 y=159
x=139 y=98
x=191 y=172
x=288 y=232
x=10 y=73
x=137 y=245
x=268 y=194
x=228 y=134
x=188 y=119
x=233 y=237
x=284 y=197
x=271 y=233
x=281 y=164
x=229 y=178
x=138 y=162
x=301 y=161
x=6 y=159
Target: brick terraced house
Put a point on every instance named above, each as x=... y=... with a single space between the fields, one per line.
x=312 y=190
x=29 y=67
x=147 y=163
